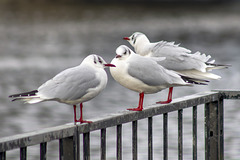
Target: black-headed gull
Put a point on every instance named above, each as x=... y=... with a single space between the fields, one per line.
x=178 y=58
x=144 y=74
x=72 y=86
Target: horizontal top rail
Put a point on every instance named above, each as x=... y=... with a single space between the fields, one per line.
x=68 y=130
x=229 y=94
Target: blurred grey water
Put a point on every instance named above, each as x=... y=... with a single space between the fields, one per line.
x=37 y=41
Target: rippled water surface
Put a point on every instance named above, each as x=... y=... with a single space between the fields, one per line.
x=38 y=41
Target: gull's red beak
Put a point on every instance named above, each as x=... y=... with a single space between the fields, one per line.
x=118 y=56
x=109 y=65
x=126 y=38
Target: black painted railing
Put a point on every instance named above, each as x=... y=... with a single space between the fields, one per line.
x=69 y=135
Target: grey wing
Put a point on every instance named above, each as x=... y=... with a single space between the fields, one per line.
x=149 y=72
x=179 y=58
x=70 y=84
x=163 y=48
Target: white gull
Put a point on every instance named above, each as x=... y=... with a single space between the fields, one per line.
x=178 y=58
x=144 y=75
x=72 y=86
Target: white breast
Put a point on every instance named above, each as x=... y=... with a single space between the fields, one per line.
x=120 y=74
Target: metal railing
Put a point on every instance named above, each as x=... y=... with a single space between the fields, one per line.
x=69 y=140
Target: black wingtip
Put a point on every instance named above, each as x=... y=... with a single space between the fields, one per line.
x=194 y=80
x=15 y=99
x=31 y=93
x=219 y=65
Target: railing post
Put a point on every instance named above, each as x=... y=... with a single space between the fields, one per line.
x=165 y=136
x=43 y=151
x=214 y=130
x=194 y=130
x=221 y=128
x=180 y=134
x=2 y=155
x=103 y=144
x=86 y=146
x=150 y=138
x=23 y=153
x=119 y=142
x=69 y=147
x=134 y=140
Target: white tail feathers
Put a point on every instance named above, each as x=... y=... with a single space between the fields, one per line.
x=199 y=75
x=29 y=99
x=33 y=100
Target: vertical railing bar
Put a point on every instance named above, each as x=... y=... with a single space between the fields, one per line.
x=212 y=135
x=207 y=145
x=119 y=142
x=43 y=151
x=60 y=149
x=103 y=144
x=165 y=136
x=76 y=144
x=134 y=140
x=23 y=153
x=2 y=155
x=221 y=128
x=150 y=138
x=86 y=146
x=180 y=135
x=194 y=117
x=69 y=147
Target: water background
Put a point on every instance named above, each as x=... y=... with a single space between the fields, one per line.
x=38 y=40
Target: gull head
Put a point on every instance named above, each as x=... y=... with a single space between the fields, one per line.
x=97 y=61
x=135 y=38
x=123 y=52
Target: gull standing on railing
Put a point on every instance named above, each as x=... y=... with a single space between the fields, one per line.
x=145 y=75
x=72 y=86
x=178 y=58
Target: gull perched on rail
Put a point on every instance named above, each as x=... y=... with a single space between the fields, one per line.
x=145 y=75
x=72 y=86
x=179 y=59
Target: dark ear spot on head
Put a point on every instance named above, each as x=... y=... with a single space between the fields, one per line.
x=99 y=60
x=95 y=61
x=129 y=52
x=134 y=41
